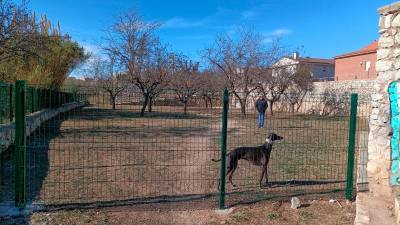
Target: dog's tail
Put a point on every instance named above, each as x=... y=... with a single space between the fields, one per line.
x=215 y=160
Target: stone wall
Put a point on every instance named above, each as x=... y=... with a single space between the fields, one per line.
x=33 y=121
x=388 y=68
x=363 y=87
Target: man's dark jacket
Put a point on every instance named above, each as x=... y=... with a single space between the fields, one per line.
x=261 y=105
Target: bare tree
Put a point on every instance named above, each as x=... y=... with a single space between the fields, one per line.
x=301 y=84
x=273 y=83
x=108 y=77
x=334 y=103
x=240 y=61
x=211 y=85
x=146 y=60
x=17 y=30
x=185 y=82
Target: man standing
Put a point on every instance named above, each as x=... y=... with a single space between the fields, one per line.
x=261 y=106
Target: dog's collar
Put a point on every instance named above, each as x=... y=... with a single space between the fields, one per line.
x=268 y=141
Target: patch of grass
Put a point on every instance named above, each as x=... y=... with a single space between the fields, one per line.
x=290 y=169
x=241 y=217
x=215 y=141
x=273 y=216
x=307 y=215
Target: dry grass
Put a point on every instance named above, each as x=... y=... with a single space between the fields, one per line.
x=96 y=154
x=313 y=212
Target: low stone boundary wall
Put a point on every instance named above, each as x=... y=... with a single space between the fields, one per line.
x=33 y=121
x=362 y=87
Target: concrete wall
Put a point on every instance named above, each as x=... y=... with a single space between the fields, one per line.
x=33 y=121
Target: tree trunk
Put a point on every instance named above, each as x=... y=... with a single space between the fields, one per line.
x=150 y=108
x=242 y=107
x=113 y=98
x=206 y=102
x=184 y=107
x=292 y=107
x=298 y=106
x=145 y=102
x=271 y=106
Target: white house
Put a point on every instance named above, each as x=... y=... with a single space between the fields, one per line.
x=321 y=69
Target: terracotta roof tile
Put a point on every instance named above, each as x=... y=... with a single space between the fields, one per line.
x=371 y=48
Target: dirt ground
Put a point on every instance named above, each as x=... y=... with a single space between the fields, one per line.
x=98 y=154
x=312 y=212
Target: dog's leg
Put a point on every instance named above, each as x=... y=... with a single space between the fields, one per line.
x=230 y=176
x=232 y=170
x=266 y=174
x=262 y=176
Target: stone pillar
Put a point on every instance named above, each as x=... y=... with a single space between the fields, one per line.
x=388 y=68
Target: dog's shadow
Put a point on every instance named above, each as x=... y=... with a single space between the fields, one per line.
x=276 y=184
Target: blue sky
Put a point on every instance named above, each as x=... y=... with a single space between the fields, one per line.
x=321 y=28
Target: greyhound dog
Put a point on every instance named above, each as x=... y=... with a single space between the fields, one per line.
x=258 y=156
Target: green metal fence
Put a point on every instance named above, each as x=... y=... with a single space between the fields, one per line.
x=36 y=98
x=94 y=154
x=6 y=103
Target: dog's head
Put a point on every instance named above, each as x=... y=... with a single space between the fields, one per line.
x=273 y=137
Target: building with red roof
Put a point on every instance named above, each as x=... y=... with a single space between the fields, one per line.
x=357 y=65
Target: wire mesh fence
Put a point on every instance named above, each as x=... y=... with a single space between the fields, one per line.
x=97 y=154
x=6 y=103
x=312 y=157
x=37 y=97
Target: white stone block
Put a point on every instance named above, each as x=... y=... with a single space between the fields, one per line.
x=295 y=203
x=397 y=66
x=397 y=38
x=383 y=65
x=376 y=97
x=396 y=21
x=387 y=21
x=386 y=42
x=396 y=52
x=372 y=167
x=383 y=53
x=375 y=111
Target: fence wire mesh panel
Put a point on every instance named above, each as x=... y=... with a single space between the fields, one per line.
x=99 y=154
x=83 y=151
x=361 y=148
x=312 y=157
x=39 y=105
x=6 y=103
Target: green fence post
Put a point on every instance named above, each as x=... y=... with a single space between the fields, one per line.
x=51 y=102
x=11 y=111
x=35 y=99
x=40 y=99
x=351 y=145
x=20 y=142
x=223 y=149
x=32 y=100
